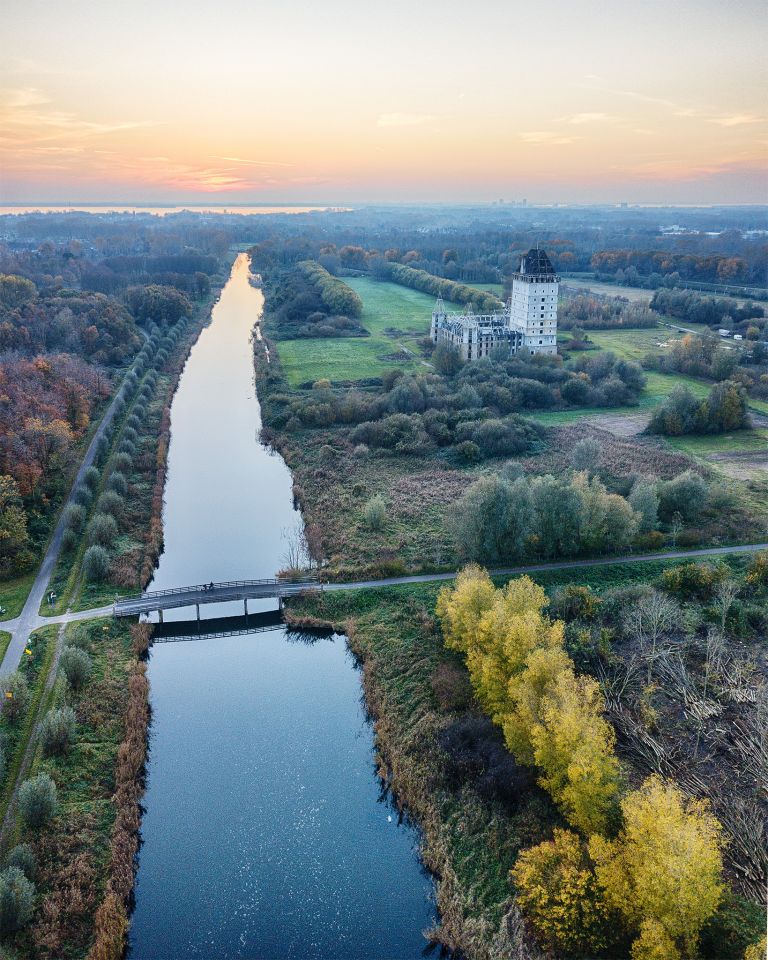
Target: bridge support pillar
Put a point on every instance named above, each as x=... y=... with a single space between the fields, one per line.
x=280 y=602
x=197 y=610
x=245 y=608
x=160 y=614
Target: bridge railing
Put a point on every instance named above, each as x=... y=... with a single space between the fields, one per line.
x=221 y=584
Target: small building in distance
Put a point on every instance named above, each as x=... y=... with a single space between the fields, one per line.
x=527 y=325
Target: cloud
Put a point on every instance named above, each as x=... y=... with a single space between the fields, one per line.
x=255 y=163
x=579 y=118
x=405 y=119
x=737 y=120
x=546 y=137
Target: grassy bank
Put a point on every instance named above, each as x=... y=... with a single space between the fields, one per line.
x=76 y=854
x=13 y=595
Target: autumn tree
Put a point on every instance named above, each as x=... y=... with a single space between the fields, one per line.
x=663 y=871
x=15 y=545
x=559 y=893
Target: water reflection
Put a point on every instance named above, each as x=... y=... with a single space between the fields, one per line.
x=266 y=832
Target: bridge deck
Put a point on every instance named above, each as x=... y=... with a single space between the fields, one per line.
x=216 y=593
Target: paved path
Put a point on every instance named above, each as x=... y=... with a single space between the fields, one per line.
x=71 y=617
x=29 y=618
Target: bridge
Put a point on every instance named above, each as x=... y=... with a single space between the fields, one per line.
x=203 y=593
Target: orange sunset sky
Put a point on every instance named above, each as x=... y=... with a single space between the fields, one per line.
x=351 y=102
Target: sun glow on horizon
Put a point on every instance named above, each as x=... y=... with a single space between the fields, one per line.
x=341 y=104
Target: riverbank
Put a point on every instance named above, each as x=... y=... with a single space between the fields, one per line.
x=85 y=855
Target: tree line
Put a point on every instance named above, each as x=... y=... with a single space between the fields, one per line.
x=642 y=866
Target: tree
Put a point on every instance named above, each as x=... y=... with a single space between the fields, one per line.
x=95 y=564
x=117 y=481
x=574 y=746
x=586 y=454
x=493 y=519
x=17 y=899
x=38 y=800
x=102 y=530
x=57 y=730
x=644 y=500
x=559 y=893
x=461 y=607
x=15 y=545
x=23 y=858
x=157 y=304
x=375 y=512
x=446 y=360
x=685 y=494
x=16 y=291
x=76 y=666
x=653 y=617
x=15 y=694
x=663 y=871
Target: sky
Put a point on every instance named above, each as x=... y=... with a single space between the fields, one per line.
x=355 y=102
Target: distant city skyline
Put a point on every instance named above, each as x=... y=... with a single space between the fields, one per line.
x=334 y=104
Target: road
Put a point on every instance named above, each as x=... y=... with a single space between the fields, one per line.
x=29 y=619
x=441 y=577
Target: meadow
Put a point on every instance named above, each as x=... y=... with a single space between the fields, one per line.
x=396 y=319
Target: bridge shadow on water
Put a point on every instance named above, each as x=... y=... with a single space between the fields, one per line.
x=185 y=630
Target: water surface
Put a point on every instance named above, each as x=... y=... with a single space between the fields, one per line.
x=265 y=833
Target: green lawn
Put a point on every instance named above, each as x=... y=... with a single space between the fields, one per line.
x=739 y=441
x=386 y=306
x=13 y=594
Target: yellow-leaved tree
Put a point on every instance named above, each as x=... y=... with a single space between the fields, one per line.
x=663 y=871
x=557 y=889
x=461 y=607
x=574 y=746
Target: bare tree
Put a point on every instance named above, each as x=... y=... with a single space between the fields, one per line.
x=725 y=593
x=649 y=621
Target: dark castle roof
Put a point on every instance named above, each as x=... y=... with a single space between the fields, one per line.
x=536 y=264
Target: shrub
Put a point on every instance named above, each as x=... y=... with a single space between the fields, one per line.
x=122 y=462
x=38 y=800
x=451 y=687
x=69 y=540
x=102 y=530
x=84 y=496
x=129 y=434
x=95 y=564
x=110 y=503
x=127 y=447
x=644 y=500
x=76 y=666
x=361 y=451
x=57 y=731
x=118 y=483
x=574 y=603
x=686 y=494
x=375 y=512
x=468 y=451
x=17 y=899
x=14 y=690
x=133 y=421
x=586 y=454
x=694 y=579
x=23 y=858
x=91 y=478
x=2 y=763
x=74 y=516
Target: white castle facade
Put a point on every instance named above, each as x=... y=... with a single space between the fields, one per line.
x=527 y=325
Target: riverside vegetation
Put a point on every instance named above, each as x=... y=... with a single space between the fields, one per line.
x=557 y=832
x=74 y=826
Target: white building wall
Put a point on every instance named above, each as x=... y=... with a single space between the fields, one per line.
x=534 y=314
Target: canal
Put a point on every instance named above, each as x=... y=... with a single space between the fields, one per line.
x=265 y=833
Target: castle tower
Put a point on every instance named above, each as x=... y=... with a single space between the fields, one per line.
x=533 y=307
x=438 y=315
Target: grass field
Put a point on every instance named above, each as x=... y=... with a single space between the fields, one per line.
x=13 y=594
x=404 y=313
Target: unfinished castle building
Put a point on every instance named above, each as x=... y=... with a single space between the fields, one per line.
x=527 y=325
